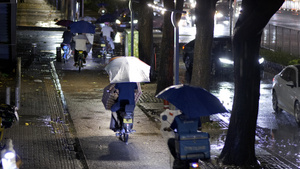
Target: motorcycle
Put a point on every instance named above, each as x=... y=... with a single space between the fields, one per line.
x=8 y=116
x=103 y=48
x=80 y=60
x=126 y=122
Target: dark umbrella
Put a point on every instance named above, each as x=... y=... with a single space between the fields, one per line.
x=106 y=18
x=82 y=27
x=192 y=101
x=65 y=23
x=102 y=4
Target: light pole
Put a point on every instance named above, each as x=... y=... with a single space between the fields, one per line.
x=176 y=39
x=132 y=26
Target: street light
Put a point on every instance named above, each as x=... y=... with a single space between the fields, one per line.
x=176 y=38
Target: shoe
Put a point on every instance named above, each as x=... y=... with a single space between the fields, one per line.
x=75 y=64
x=83 y=61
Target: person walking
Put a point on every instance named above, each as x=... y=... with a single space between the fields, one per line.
x=106 y=33
x=80 y=44
x=67 y=38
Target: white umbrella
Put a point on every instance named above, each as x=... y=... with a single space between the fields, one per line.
x=127 y=69
x=88 y=18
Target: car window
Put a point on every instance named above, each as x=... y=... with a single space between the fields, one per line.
x=222 y=46
x=293 y=76
x=289 y=74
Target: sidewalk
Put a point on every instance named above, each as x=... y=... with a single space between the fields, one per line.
x=42 y=138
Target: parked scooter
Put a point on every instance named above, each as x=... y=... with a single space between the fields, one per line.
x=187 y=145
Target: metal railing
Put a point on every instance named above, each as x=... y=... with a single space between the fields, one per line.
x=281 y=39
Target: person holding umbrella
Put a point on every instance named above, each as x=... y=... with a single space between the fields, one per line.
x=107 y=31
x=126 y=73
x=126 y=96
x=80 y=44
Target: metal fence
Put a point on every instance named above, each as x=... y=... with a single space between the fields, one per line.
x=281 y=39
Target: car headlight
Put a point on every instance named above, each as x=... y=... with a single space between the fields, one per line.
x=219 y=15
x=261 y=60
x=118 y=21
x=226 y=61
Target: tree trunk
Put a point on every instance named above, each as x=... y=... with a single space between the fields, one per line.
x=165 y=66
x=239 y=145
x=205 y=10
x=145 y=26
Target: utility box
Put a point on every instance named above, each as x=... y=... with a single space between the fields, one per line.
x=128 y=43
x=8 y=11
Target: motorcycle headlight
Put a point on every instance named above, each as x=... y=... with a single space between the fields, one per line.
x=219 y=15
x=261 y=60
x=118 y=21
x=226 y=61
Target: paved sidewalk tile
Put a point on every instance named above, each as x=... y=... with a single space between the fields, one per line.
x=42 y=138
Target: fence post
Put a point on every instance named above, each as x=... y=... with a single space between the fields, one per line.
x=58 y=54
x=269 y=37
x=290 y=41
x=282 y=45
x=298 y=43
x=18 y=85
x=275 y=47
x=7 y=100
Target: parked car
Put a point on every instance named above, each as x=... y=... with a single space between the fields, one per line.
x=222 y=60
x=286 y=91
x=221 y=56
x=124 y=21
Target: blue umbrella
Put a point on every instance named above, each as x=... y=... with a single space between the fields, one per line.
x=106 y=18
x=192 y=101
x=82 y=27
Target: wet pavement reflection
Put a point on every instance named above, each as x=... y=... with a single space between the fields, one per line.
x=276 y=133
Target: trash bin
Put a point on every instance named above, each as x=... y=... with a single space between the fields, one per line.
x=58 y=54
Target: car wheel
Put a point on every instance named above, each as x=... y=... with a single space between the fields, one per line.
x=275 y=103
x=297 y=112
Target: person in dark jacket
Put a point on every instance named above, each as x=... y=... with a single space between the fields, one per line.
x=126 y=96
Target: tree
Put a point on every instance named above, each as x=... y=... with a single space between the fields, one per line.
x=205 y=10
x=165 y=66
x=145 y=26
x=239 y=145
